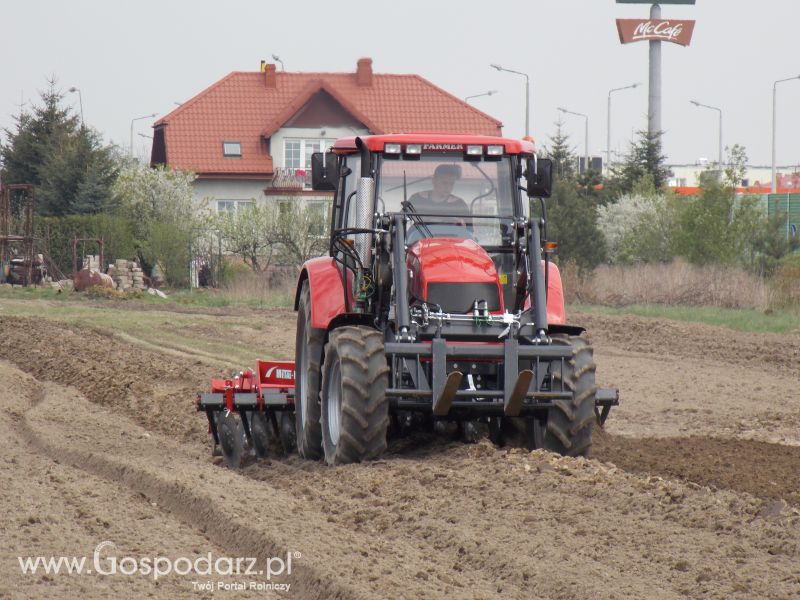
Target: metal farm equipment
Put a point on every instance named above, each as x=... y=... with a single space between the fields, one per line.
x=253 y=411
x=437 y=307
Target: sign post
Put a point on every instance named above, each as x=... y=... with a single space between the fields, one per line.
x=655 y=30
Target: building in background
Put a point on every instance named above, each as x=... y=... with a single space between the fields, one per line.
x=249 y=137
x=757 y=177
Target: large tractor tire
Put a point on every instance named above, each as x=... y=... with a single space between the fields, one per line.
x=355 y=410
x=570 y=422
x=308 y=358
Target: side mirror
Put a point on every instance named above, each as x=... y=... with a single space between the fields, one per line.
x=540 y=177
x=324 y=172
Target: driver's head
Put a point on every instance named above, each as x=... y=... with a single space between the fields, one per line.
x=444 y=178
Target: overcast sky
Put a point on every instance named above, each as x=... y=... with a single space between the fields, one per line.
x=136 y=58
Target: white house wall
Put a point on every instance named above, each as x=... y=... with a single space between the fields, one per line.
x=219 y=189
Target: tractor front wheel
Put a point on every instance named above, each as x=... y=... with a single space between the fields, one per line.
x=570 y=422
x=308 y=357
x=355 y=410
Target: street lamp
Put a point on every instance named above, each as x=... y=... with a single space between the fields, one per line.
x=774 y=90
x=489 y=93
x=80 y=101
x=719 y=110
x=527 y=95
x=586 y=135
x=139 y=119
x=277 y=58
x=608 y=119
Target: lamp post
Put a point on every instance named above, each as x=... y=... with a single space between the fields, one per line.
x=277 y=58
x=608 y=120
x=489 y=93
x=527 y=95
x=719 y=110
x=80 y=101
x=138 y=119
x=774 y=103
x=586 y=135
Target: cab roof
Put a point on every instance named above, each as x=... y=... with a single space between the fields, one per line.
x=376 y=143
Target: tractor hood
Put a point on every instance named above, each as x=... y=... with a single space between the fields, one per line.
x=453 y=273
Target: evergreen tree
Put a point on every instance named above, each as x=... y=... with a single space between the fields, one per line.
x=572 y=209
x=560 y=153
x=644 y=159
x=66 y=162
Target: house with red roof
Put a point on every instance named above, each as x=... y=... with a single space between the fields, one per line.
x=250 y=135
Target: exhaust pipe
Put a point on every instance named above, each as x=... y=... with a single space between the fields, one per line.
x=365 y=194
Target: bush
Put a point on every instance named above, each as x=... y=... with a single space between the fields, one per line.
x=640 y=227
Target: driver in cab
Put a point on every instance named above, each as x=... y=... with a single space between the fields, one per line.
x=440 y=200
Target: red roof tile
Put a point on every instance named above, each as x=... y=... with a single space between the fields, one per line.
x=240 y=107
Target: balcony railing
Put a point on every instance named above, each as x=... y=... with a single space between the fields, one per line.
x=291 y=179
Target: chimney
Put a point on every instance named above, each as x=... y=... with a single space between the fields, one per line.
x=270 y=79
x=364 y=72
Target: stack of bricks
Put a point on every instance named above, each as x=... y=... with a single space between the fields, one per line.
x=127 y=275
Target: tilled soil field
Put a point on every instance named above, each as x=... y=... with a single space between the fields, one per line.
x=692 y=490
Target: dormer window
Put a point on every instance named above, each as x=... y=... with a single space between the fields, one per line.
x=232 y=149
x=297 y=152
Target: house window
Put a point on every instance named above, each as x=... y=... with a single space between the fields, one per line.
x=232 y=149
x=297 y=152
x=231 y=206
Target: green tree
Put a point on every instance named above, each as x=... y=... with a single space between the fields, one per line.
x=640 y=227
x=168 y=220
x=561 y=154
x=303 y=234
x=572 y=209
x=644 y=159
x=262 y=235
x=737 y=165
x=71 y=169
x=253 y=234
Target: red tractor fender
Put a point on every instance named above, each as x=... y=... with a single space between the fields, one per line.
x=556 y=314
x=325 y=287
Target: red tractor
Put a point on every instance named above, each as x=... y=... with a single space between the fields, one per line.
x=437 y=306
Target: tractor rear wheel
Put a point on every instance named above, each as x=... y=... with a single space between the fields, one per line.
x=355 y=410
x=569 y=424
x=308 y=358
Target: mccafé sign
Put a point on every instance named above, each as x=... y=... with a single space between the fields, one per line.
x=663 y=30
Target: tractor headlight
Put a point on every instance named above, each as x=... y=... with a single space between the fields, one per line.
x=474 y=150
x=494 y=150
x=392 y=148
x=413 y=148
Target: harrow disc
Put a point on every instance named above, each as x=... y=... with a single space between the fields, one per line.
x=231 y=439
x=288 y=434
x=261 y=432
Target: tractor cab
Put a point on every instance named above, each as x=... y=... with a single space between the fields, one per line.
x=460 y=202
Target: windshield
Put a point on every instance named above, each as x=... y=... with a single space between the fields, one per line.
x=452 y=197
